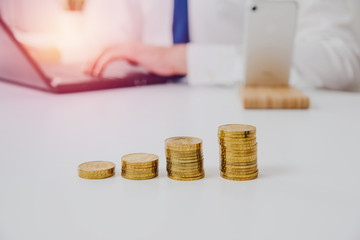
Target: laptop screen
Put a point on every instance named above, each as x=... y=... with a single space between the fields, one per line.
x=15 y=64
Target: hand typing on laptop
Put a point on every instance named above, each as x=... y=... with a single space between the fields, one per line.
x=164 y=61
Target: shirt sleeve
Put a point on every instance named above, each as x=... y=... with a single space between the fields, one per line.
x=326 y=52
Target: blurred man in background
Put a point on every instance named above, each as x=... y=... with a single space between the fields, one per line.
x=203 y=39
x=326 y=52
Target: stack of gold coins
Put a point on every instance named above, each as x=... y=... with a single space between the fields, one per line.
x=139 y=166
x=238 y=152
x=184 y=158
x=96 y=170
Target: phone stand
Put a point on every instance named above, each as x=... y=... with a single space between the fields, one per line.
x=259 y=97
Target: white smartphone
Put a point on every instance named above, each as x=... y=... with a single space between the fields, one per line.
x=269 y=41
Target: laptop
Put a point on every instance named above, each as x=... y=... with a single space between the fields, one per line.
x=18 y=67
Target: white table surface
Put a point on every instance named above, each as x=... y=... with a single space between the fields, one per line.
x=308 y=188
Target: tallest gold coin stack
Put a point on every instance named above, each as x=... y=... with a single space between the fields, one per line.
x=238 y=152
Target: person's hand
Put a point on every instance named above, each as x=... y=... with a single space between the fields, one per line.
x=164 y=61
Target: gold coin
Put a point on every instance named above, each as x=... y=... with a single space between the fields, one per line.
x=179 y=166
x=140 y=161
x=142 y=177
x=96 y=170
x=180 y=153
x=241 y=128
x=181 y=163
x=238 y=147
x=184 y=161
x=140 y=171
x=242 y=156
x=241 y=178
x=192 y=164
x=238 y=138
x=139 y=177
x=230 y=168
x=238 y=178
x=184 y=148
x=140 y=158
x=240 y=135
x=234 y=153
x=179 y=175
x=238 y=152
x=236 y=134
x=183 y=143
x=192 y=172
x=147 y=164
x=233 y=172
x=186 y=178
x=226 y=168
x=184 y=157
x=238 y=164
x=125 y=172
x=185 y=171
x=242 y=138
x=237 y=143
x=136 y=167
x=238 y=161
x=240 y=173
x=235 y=148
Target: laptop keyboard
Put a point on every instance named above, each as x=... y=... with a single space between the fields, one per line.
x=64 y=70
x=72 y=73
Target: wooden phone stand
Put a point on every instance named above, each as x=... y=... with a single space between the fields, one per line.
x=259 y=97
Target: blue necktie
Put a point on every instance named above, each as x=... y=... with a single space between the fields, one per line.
x=181 y=22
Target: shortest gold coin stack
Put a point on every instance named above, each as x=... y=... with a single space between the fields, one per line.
x=184 y=158
x=96 y=170
x=139 y=166
x=238 y=152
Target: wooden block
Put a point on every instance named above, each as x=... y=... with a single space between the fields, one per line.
x=256 y=97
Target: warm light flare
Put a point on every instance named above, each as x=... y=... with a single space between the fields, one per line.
x=81 y=36
x=70 y=30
